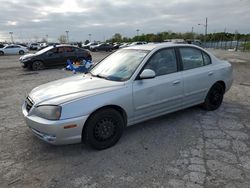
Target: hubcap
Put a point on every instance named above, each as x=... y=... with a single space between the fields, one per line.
x=216 y=97
x=104 y=129
x=37 y=66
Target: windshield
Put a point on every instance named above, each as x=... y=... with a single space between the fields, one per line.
x=120 y=65
x=44 y=50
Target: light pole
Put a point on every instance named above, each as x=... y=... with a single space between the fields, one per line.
x=205 y=25
x=192 y=32
x=137 y=32
x=67 y=33
x=11 y=36
x=89 y=37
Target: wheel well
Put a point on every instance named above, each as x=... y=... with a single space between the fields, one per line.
x=222 y=83
x=115 y=107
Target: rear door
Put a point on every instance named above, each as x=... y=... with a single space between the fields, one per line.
x=159 y=95
x=70 y=53
x=54 y=57
x=198 y=74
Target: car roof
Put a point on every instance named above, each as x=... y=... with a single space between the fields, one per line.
x=153 y=46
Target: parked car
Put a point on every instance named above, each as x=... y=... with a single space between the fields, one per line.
x=129 y=86
x=87 y=46
x=116 y=46
x=137 y=43
x=34 y=46
x=2 y=45
x=13 y=49
x=101 y=47
x=53 y=56
x=123 y=45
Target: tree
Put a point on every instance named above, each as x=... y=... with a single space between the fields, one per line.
x=86 y=42
x=62 y=39
x=117 y=37
x=44 y=40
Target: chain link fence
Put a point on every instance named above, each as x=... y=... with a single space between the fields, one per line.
x=239 y=45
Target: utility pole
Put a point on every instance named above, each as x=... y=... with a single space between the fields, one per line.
x=11 y=37
x=205 y=25
x=89 y=37
x=137 y=32
x=67 y=33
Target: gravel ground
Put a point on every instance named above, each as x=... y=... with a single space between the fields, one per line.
x=189 y=148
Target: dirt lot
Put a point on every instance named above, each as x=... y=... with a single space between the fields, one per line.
x=189 y=148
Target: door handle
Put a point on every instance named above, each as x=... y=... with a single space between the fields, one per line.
x=176 y=82
x=210 y=73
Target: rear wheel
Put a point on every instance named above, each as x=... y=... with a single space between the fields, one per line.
x=103 y=129
x=1 y=53
x=21 y=52
x=214 y=97
x=37 y=65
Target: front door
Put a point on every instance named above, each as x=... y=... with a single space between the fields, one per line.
x=162 y=94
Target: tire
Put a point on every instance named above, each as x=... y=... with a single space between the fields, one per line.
x=37 y=65
x=214 y=97
x=1 y=53
x=21 y=52
x=103 y=129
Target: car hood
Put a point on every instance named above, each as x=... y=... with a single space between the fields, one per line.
x=71 y=88
x=26 y=56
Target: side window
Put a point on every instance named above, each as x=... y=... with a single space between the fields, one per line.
x=191 y=58
x=163 y=62
x=69 y=49
x=206 y=59
x=60 y=50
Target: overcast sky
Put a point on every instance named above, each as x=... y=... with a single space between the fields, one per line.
x=33 y=20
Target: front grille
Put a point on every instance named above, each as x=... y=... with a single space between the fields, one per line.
x=29 y=104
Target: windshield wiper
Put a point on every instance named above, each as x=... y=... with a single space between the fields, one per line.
x=100 y=76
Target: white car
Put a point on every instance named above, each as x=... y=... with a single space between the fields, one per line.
x=13 y=49
x=129 y=86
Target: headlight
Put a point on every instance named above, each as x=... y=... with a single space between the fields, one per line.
x=27 y=59
x=49 y=112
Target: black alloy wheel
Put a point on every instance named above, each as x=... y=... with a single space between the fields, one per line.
x=214 y=97
x=37 y=65
x=103 y=129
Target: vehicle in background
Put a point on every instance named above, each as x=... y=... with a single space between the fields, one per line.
x=2 y=45
x=176 y=41
x=194 y=42
x=87 y=46
x=101 y=47
x=123 y=45
x=54 y=56
x=138 y=43
x=116 y=45
x=34 y=46
x=129 y=86
x=13 y=49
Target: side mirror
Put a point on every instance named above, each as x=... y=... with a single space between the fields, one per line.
x=147 y=74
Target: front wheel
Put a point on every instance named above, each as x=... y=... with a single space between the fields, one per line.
x=37 y=65
x=103 y=129
x=214 y=97
x=21 y=52
x=1 y=53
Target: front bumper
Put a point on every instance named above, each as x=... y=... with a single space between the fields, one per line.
x=54 y=132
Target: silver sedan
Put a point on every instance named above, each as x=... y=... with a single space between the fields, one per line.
x=129 y=86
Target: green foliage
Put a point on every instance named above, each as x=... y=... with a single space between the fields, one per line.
x=246 y=46
x=160 y=37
